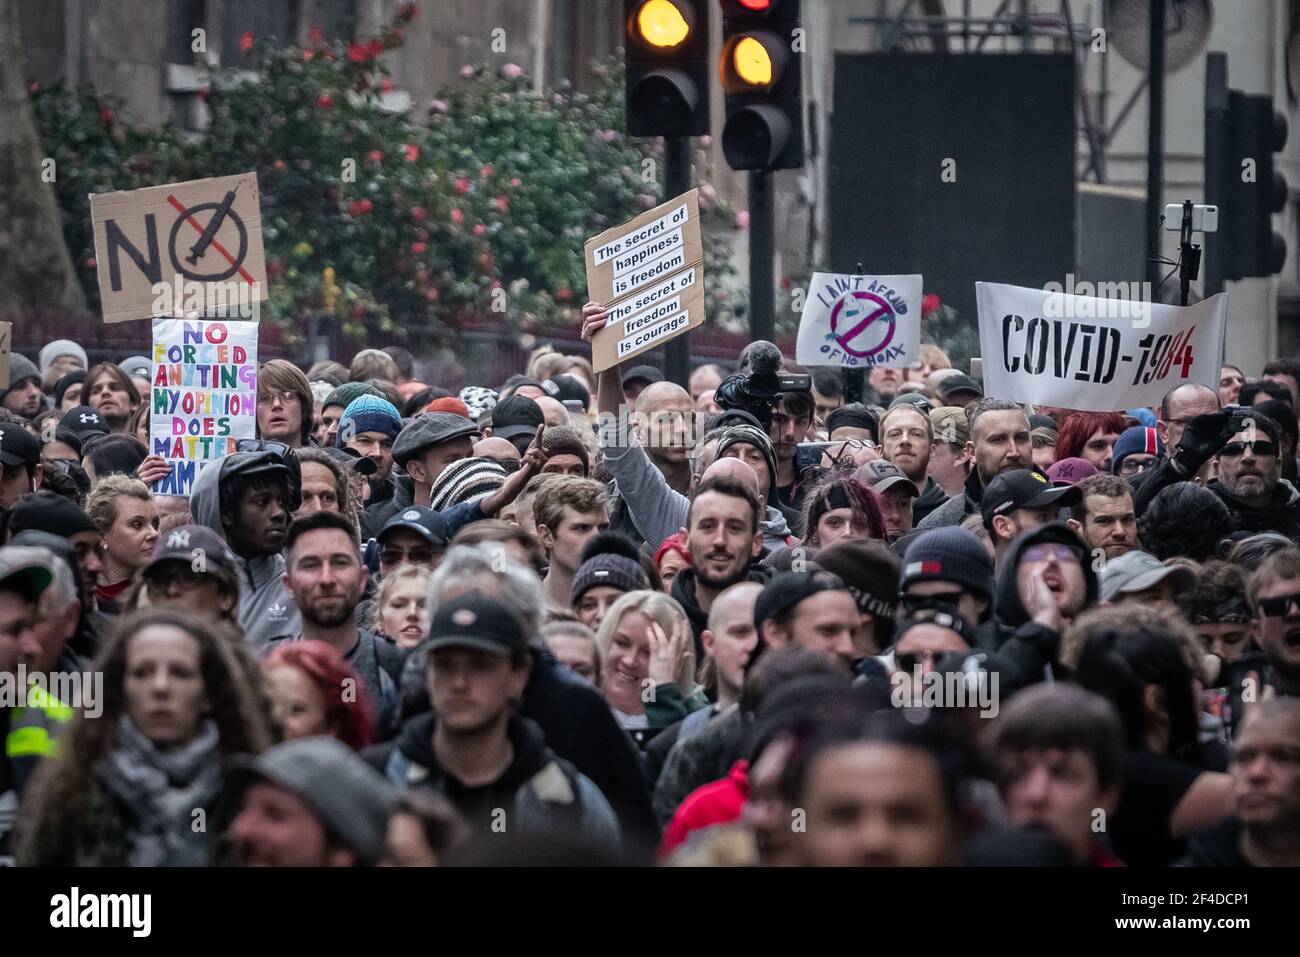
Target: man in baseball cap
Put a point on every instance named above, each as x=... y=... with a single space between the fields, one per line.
x=896 y=492
x=636 y=379
x=1140 y=578
x=812 y=609
x=1019 y=500
x=20 y=464
x=311 y=802
x=427 y=445
x=959 y=390
x=84 y=422
x=516 y=419
x=414 y=536
x=193 y=569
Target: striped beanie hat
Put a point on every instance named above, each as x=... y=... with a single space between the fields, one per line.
x=465 y=481
x=368 y=413
x=1139 y=439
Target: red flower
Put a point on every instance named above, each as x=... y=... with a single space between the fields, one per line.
x=503 y=204
x=279 y=166
x=418 y=214
x=359 y=207
x=358 y=53
x=457 y=216
x=275 y=269
x=479 y=229
x=485 y=172
x=406 y=12
x=325 y=101
x=376 y=47
x=90 y=264
x=315 y=35
x=34 y=87
x=487 y=261
x=563 y=294
x=929 y=303
x=431 y=295
x=419 y=249
x=246 y=41
x=462 y=185
x=387 y=85
x=374 y=156
x=412 y=152
x=516 y=182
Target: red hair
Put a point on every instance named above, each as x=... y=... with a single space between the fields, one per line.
x=1079 y=427
x=347 y=706
x=675 y=542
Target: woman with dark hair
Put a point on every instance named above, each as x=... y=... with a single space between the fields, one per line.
x=128 y=786
x=110 y=392
x=104 y=455
x=1091 y=436
x=839 y=506
x=1186 y=520
x=309 y=682
x=1134 y=657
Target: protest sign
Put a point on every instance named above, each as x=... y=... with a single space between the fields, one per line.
x=204 y=396
x=649 y=274
x=1094 y=354
x=6 y=342
x=191 y=247
x=860 y=321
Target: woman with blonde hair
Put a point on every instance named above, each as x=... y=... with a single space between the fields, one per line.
x=127 y=519
x=130 y=783
x=647 y=663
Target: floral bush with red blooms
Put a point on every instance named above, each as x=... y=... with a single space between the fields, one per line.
x=477 y=204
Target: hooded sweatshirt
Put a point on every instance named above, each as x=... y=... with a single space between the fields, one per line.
x=540 y=793
x=266 y=609
x=932 y=496
x=956 y=508
x=1033 y=648
x=683 y=591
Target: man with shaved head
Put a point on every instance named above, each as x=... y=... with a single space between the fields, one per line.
x=553 y=411
x=704 y=379
x=498 y=450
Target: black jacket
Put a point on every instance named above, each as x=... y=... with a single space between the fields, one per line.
x=1281 y=514
x=393 y=495
x=683 y=591
x=1216 y=846
x=932 y=496
x=954 y=509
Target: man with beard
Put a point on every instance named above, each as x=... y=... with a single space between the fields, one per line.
x=23 y=397
x=1104 y=516
x=247 y=499
x=724 y=541
x=326 y=578
x=906 y=438
x=999 y=442
x=1275 y=596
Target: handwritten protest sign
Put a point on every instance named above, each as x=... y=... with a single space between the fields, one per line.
x=649 y=273
x=183 y=248
x=1094 y=354
x=860 y=321
x=204 y=397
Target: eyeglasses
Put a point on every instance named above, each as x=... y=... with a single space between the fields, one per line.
x=1062 y=553
x=1131 y=466
x=392 y=555
x=1261 y=448
x=284 y=395
x=1280 y=606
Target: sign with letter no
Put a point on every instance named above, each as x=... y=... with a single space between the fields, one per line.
x=649 y=274
x=192 y=245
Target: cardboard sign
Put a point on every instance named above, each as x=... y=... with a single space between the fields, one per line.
x=193 y=246
x=6 y=342
x=860 y=321
x=1094 y=354
x=204 y=395
x=649 y=273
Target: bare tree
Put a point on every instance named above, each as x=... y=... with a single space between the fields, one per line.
x=35 y=267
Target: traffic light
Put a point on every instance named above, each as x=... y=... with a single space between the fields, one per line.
x=667 y=44
x=1252 y=189
x=761 y=73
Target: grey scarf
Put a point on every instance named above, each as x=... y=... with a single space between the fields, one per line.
x=162 y=790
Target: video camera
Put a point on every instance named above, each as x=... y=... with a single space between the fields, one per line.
x=759 y=390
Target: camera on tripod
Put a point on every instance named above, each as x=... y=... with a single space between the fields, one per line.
x=759 y=390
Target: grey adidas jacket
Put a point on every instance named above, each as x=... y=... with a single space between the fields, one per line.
x=266 y=609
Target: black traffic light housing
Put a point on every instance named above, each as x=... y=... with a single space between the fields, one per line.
x=667 y=86
x=1251 y=189
x=764 y=124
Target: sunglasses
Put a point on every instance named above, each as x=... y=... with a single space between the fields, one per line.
x=415 y=556
x=911 y=660
x=1260 y=447
x=1062 y=553
x=1280 y=606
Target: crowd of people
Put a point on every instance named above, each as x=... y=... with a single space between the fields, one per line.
x=602 y=618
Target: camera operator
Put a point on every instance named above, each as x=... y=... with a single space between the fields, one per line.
x=1246 y=446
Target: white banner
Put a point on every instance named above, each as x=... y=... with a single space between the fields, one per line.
x=860 y=321
x=1091 y=354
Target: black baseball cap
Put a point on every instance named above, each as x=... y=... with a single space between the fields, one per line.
x=84 y=421
x=479 y=622
x=18 y=446
x=959 y=383
x=182 y=542
x=516 y=415
x=647 y=373
x=784 y=590
x=425 y=522
x=1024 y=488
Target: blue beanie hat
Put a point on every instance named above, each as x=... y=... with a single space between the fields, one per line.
x=1139 y=439
x=369 y=413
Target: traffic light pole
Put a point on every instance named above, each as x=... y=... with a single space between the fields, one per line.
x=1216 y=136
x=762 y=256
x=1155 y=143
x=677 y=180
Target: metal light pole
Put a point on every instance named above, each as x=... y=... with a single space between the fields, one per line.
x=762 y=256
x=677 y=180
x=1155 y=139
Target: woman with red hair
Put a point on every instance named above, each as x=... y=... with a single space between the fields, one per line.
x=1091 y=436
x=315 y=691
x=842 y=507
x=671 y=559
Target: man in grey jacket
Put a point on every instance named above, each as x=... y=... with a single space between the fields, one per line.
x=247 y=498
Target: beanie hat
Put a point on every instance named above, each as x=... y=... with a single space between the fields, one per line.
x=448 y=403
x=60 y=347
x=750 y=435
x=1141 y=440
x=478 y=400
x=949 y=554
x=20 y=368
x=50 y=512
x=348 y=391
x=369 y=413
x=464 y=481
x=609 y=559
x=67 y=382
x=565 y=441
